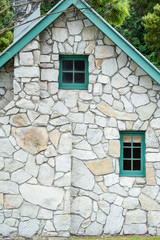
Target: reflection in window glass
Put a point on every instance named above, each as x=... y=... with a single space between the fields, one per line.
x=136 y=165
x=127 y=165
x=79 y=77
x=67 y=65
x=137 y=153
x=127 y=153
x=79 y=65
x=67 y=77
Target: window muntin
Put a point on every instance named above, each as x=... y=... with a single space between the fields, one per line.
x=73 y=72
x=132 y=157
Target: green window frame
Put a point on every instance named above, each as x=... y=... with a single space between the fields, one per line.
x=132 y=154
x=73 y=72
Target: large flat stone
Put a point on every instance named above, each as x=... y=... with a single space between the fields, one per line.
x=76 y=221
x=109 y=67
x=27 y=72
x=46 y=175
x=49 y=75
x=114 y=221
x=118 y=81
x=114 y=148
x=130 y=203
x=145 y=112
x=32 y=139
x=28 y=210
x=81 y=175
x=29 y=228
x=75 y=27
x=63 y=163
x=82 y=206
x=6 y=148
x=154 y=219
x=94 y=229
x=111 y=112
x=19 y=120
x=83 y=154
x=6 y=230
x=104 y=52
x=100 y=167
x=136 y=216
x=20 y=176
x=65 y=143
x=8 y=187
x=12 y=201
x=32 y=88
x=62 y=222
x=90 y=33
x=94 y=136
x=148 y=203
x=135 y=229
x=59 y=34
x=47 y=197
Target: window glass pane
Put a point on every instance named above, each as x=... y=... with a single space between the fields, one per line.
x=136 y=141
x=127 y=153
x=79 y=65
x=79 y=78
x=136 y=165
x=137 y=153
x=67 y=77
x=127 y=140
x=67 y=65
x=126 y=165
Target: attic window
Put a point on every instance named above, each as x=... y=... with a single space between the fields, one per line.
x=132 y=159
x=73 y=72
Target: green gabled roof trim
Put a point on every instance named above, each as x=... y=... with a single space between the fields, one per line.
x=106 y=28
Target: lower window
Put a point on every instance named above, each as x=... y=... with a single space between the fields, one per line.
x=132 y=157
x=73 y=72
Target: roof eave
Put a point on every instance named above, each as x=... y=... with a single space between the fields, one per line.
x=97 y=20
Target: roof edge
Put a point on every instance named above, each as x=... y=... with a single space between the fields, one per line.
x=97 y=20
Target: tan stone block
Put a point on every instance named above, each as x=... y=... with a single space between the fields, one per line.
x=82 y=107
x=108 y=41
x=90 y=33
x=100 y=167
x=104 y=52
x=150 y=174
x=54 y=137
x=32 y=139
x=114 y=148
x=98 y=63
x=12 y=201
x=19 y=120
x=90 y=48
x=111 y=112
x=148 y=203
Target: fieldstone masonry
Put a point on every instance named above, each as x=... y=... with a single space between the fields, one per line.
x=59 y=149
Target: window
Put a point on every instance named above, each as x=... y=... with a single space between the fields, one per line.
x=132 y=158
x=73 y=72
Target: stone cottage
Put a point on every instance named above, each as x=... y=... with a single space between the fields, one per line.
x=80 y=130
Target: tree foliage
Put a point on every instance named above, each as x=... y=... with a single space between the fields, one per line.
x=114 y=11
x=133 y=30
x=143 y=7
x=6 y=17
x=152 y=27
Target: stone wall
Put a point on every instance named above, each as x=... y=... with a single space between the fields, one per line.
x=6 y=84
x=59 y=164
